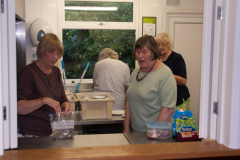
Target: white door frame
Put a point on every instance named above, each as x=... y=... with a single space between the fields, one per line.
x=8 y=133
x=178 y=16
x=206 y=70
x=5 y=71
x=1 y=110
x=228 y=120
x=12 y=65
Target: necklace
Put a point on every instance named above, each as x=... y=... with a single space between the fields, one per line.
x=145 y=74
x=166 y=56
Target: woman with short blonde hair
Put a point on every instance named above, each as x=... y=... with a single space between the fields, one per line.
x=165 y=37
x=177 y=64
x=107 y=53
x=49 y=42
x=40 y=90
x=111 y=75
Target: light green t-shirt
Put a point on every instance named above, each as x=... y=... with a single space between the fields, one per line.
x=147 y=97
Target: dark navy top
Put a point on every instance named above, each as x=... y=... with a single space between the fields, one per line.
x=176 y=63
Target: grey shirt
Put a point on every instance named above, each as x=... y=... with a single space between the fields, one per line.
x=112 y=76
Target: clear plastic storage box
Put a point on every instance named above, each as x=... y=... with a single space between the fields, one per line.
x=159 y=130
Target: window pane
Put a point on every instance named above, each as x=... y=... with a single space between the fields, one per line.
x=98 y=11
x=82 y=46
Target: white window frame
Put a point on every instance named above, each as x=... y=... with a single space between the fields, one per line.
x=62 y=24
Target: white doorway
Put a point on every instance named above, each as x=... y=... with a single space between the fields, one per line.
x=186 y=26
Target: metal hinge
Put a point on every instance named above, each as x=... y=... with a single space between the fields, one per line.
x=220 y=13
x=2 y=6
x=4 y=113
x=215 y=107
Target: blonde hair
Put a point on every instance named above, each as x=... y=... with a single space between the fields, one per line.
x=107 y=53
x=49 y=42
x=167 y=37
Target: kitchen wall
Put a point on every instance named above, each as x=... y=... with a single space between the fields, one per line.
x=20 y=8
x=47 y=9
x=155 y=8
x=35 y=9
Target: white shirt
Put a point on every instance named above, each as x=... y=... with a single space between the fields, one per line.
x=112 y=76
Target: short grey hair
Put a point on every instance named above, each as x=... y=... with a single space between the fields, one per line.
x=167 y=37
x=107 y=53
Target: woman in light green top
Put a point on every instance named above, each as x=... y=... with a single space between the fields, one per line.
x=152 y=91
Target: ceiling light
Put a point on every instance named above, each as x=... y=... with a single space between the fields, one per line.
x=87 y=8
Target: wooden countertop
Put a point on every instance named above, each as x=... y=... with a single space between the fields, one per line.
x=181 y=150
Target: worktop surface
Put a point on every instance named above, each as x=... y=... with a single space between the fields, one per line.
x=76 y=141
x=181 y=150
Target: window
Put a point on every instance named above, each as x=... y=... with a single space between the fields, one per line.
x=90 y=26
x=82 y=46
x=99 y=11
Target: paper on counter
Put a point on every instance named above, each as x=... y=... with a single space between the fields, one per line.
x=118 y=112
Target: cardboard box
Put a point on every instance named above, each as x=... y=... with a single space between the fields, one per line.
x=95 y=108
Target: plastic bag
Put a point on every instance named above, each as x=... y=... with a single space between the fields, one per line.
x=62 y=125
x=184 y=106
x=183 y=122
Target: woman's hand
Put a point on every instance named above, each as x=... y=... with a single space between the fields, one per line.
x=52 y=103
x=180 y=80
x=66 y=107
x=27 y=106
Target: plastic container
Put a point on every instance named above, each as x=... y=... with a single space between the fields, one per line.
x=159 y=130
x=62 y=125
x=93 y=108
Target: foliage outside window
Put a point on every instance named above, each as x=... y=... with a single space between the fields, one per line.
x=124 y=12
x=82 y=46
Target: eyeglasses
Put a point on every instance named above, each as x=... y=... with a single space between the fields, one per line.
x=53 y=53
x=162 y=44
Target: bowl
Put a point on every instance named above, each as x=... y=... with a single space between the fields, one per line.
x=99 y=97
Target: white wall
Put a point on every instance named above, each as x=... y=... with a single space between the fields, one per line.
x=20 y=8
x=35 y=9
x=155 y=8
x=47 y=9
